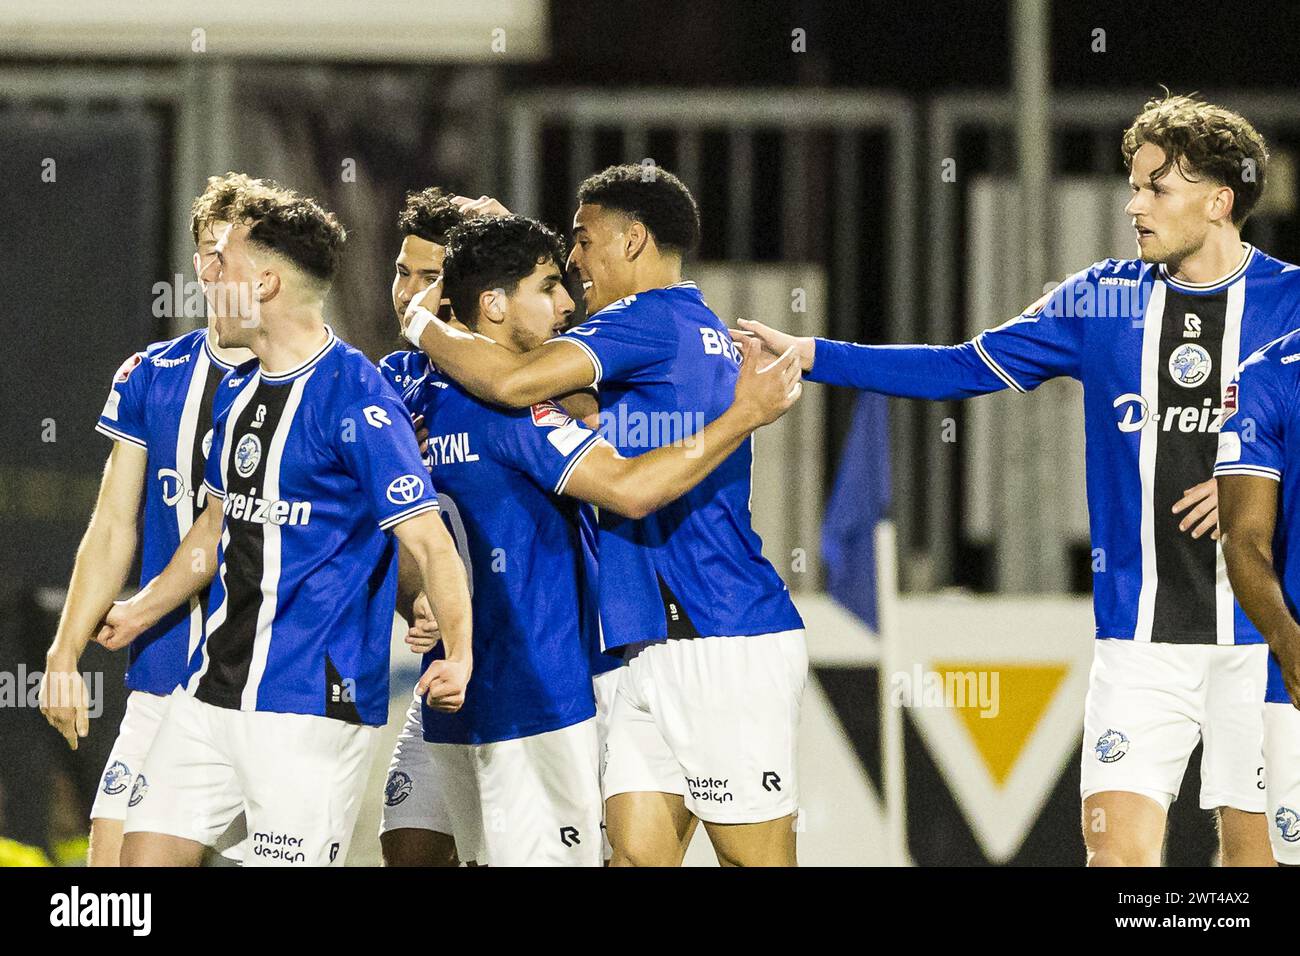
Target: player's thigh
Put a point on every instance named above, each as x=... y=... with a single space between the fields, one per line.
x=770 y=843
x=187 y=788
x=1232 y=760
x=1142 y=720
x=415 y=828
x=160 y=849
x=646 y=828
x=135 y=736
x=303 y=779
x=728 y=709
x=1282 y=780
x=646 y=819
x=1123 y=828
x=454 y=770
x=1243 y=838
x=540 y=797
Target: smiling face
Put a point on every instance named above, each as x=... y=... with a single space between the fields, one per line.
x=599 y=256
x=1172 y=215
x=537 y=310
x=418 y=265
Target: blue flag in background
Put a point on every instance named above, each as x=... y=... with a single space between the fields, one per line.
x=859 y=501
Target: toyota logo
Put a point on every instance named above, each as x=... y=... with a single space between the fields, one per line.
x=406 y=489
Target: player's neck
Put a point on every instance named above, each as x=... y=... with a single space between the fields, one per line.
x=290 y=342
x=656 y=275
x=226 y=356
x=1219 y=256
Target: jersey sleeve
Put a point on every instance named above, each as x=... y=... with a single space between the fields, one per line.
x=544 y=443
x=124 y=414
x=379 y=450
x=1043 y=342
x=624 y=343
x=1252 y=423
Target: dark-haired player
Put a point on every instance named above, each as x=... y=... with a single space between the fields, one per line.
x=1155 y=342
x=315 y=468
x=705 y=722
x=158 y=415
x=519 y=763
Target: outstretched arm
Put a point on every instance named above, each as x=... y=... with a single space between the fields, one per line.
x=905 y=371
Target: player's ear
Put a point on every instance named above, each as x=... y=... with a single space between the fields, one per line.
x=268 y=286
x=635 y=239
x=492 y=306
x=1221 y=203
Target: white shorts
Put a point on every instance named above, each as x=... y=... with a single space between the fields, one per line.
x=298 y=778
x=531 y=801
x=1282 y=766
x=715 y=719
x=412 y=797
x=606 y=687
x=144 y=715
x=1148 y=705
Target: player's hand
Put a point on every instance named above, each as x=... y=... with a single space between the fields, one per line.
x=64 y=699
x=778 y=342
x=766 y=389
x=483 y=206
x=424 y=634
x=443 y=685
x=122 y=625
x=421 y=435
x=428 y=299
x=1203 y=500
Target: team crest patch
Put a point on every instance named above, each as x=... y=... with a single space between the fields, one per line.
x=1288 y=824
x=207 y=444
x=247 y=455
x=549 y=415
x=397 y=789
x=138 y=791
x=1111 y=746
x=126 y=368
x=115 y=778
x=1190 y=365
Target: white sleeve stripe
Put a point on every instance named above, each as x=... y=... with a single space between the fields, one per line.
x=1259 y=471
x=212 y=490
x=595 y=362
x=388 y=523
x=116 y=435
x=580 y=454
x=997 y=369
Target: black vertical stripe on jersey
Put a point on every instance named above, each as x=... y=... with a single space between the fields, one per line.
x=679 y=623
x=1185 y=567
x=198 y=460
x=340 y=696
x=230 y=644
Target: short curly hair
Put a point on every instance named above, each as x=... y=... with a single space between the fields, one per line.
x=296 y=228
x=429 y=214
x=223 y=195
x=652 y=196
x=494 y=252
x=1207 y=142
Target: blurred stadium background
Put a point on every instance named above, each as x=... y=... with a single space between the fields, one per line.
x=871 y=171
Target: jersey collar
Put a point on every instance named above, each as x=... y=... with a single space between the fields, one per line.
x=280 y=377
x=1247 y=255
x=212 y=356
